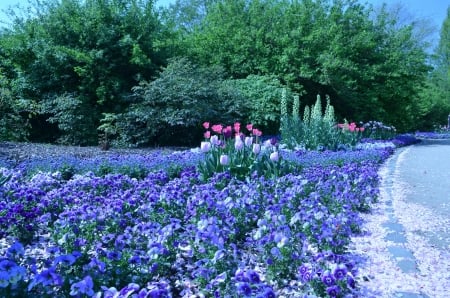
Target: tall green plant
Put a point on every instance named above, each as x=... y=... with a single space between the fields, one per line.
x=316 y=131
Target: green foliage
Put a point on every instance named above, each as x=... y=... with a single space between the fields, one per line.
x=13 y=127
x=67 y=64
x=435 y=102
x=89 y=52
x=372 y=65
x=261 y=98
x=67 y=172
x=169 y=110
x=75 y=118
x=317 y=130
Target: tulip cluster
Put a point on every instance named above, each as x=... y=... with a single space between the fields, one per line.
x=228 y=148
x=349 y=134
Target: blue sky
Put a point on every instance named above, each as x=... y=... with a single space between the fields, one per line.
x=435 y=10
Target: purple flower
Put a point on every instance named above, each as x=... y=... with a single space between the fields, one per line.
x=224 y=159
x=135 y=259
x=47 y=277
x=4 y=279
x=244 y=289
x=205 y=146
x=252 y=276
x=351 y=281
x=306 y=272
x=97 y=264
x=268 y=293
x=333 y=291
x=256 y=149
x=84 y=286
x=328 y=278
x=113 y=255
x=67 y=260
x=340 y=271
x=239 y=275
x=248 y=141
x=129 y=289
x=16 y=249
x=238 y=144
x=6 y=265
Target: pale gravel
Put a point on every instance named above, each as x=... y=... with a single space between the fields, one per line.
x=380 y=276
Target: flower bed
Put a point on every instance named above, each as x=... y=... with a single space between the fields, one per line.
x=165 y=233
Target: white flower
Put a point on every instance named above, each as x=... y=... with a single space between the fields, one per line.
x=256 y=148
x=224 y=160
x=205 y=146
x=248 y=141
x=274 y=156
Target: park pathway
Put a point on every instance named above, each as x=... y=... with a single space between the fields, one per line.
x=405 y=248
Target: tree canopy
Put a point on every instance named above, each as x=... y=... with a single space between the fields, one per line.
x=71 y=62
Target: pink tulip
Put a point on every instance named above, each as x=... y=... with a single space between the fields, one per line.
x=217 y=128
x=237 y=127
x=249 y=127
x=207 y=134
x=224 y=160
x=257 y=132
x=206 y=125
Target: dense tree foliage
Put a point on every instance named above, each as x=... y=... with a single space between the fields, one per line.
x=436 y=96
x=72 y=67
x=75 y=59
x=372 y=68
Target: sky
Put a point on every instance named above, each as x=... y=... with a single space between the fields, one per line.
x=434 y=10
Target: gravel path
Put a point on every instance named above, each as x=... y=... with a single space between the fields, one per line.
x=406 y=247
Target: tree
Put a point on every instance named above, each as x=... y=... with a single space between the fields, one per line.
x=94 y=51
x=435 y=103
x=170 y=110
x=371 y=67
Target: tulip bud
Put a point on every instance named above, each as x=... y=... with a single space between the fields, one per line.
x=205 y=146
x=274 y=156
x=224 y=160
x=256 y=148
x=248 y=141
x=238 y=144
x=215 y=140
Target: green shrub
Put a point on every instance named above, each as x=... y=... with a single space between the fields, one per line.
x=75 y=118
x=315 y=131
x=261 y=99
x=13 y=127
x=170 y=109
